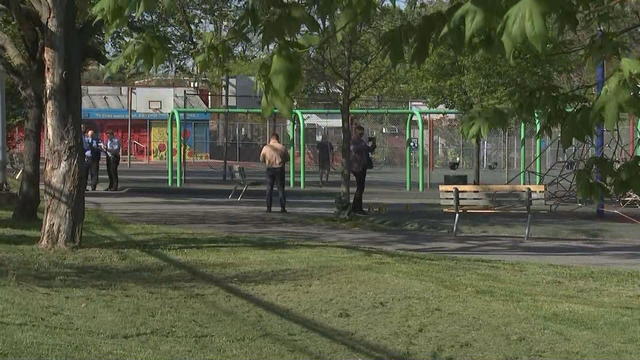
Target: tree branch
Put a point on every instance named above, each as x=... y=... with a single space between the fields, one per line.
x=377 y=79
x=329 y=62
x=40 y=8
x=367 y=64
x=11 y=51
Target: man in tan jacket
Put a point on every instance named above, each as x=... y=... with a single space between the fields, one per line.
x=275 y=155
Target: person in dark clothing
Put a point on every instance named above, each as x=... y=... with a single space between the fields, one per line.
x=275 y=156
x=112 y=149
x=360 y=151
x=94 y=150
x=325 y=153
x=86 y=148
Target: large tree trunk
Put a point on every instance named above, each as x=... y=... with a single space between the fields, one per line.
x=29 y=194
x=64 y=162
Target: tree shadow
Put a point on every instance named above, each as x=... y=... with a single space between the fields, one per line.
x=342 y=337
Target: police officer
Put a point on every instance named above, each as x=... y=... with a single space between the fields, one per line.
x=112 y=149
x=94 y=151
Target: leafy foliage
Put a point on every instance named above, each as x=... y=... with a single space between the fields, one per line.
x=566 y=37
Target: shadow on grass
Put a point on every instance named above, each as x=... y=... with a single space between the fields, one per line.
x=344 y=338
x=18 y=240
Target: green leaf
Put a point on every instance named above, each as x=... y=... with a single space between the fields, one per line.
x=476 y=18
x=478 y=122
x=525 y=22
x=309 y=40
x=619 y=95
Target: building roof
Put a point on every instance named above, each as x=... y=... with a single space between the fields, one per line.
x=115 y=98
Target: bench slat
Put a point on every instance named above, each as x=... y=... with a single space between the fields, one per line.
x=491 y=195
x=492 y=188
x=490 y=203
x=492 y=210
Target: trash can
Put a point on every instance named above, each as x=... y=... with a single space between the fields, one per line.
x=455 y=180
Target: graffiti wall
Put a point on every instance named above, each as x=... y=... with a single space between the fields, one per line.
x=195 y=135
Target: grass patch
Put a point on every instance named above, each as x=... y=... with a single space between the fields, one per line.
x=153 y=292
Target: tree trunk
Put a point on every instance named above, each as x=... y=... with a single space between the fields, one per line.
x=476 y=177
x=65 y=182
x=344 y=202
x=29 y=194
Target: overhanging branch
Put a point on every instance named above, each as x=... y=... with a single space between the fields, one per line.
x=11 y=52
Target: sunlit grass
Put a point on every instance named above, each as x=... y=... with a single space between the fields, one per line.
x=151 y=292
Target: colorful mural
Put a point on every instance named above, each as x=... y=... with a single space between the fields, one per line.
x=194 y=150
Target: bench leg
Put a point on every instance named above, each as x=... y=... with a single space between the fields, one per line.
x=527 y=231
x=455 y=224
x=233 y=191
x=242 y=193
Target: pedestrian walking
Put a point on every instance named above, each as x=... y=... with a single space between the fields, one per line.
x=275 y=156
x=360 y=162
x=112 y=149
x=325 y=154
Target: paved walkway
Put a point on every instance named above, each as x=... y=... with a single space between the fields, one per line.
x=575 y=239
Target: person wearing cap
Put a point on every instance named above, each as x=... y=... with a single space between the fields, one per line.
x=112 y=149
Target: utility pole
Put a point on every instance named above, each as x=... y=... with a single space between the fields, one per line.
x=3 y=134
x=129 y=106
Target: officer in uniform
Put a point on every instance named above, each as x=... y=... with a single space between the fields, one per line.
x=112 y=150
x=94 y=150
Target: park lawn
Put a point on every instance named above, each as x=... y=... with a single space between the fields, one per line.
x=153 y=292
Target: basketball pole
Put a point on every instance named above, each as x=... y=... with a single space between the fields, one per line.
x=129 y=100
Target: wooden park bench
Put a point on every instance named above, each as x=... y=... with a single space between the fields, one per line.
x=240 y=176
x=492 y=199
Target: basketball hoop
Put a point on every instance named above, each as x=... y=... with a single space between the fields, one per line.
x=155 y=105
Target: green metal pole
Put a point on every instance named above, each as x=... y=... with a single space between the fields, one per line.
x=538 y=150
x=179 y=177
x=170 y=149
x=523 y=152
x=292 y=151
x=302 y=151
x=408 y=151
x=323 y=111
x=299 y=113
x=421 y=149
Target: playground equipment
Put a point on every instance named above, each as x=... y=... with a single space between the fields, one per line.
x=560 y=175
x=526 y=155
x=297 y=126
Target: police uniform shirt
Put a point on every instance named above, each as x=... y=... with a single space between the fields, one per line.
x=113 y=147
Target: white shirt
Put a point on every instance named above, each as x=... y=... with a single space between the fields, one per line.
x=113 y=146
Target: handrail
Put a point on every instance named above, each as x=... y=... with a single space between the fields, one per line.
x=138 y=144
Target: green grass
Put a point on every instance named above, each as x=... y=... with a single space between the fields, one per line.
x=150 y=292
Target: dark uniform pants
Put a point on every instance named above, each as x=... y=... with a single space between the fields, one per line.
x=112 y=169
x=361 y=177
x=93 y=173
x=276 y=175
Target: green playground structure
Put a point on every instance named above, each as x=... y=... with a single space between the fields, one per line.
x=298 y=124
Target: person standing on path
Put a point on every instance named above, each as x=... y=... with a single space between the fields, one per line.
x=113 y=160
x=95 y=149
x=325 y=153
x=360 y=162
x=275 y=156
x=86 y=148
